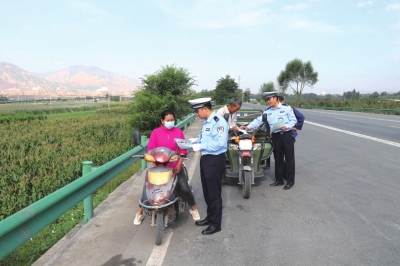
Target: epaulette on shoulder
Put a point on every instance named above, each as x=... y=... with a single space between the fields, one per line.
x=216 y=118
x=268 y=108
x=285 y=104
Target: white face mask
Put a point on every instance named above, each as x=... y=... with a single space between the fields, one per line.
x=169 y=125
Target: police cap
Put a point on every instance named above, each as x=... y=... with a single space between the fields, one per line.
x=269 y=94
x=198 y=103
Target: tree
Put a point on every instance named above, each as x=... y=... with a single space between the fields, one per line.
x=374 y=95
x=247 y=93
x=167 y=88
x=115 y=98
x=3 y=99
x=226 y=89
x=265 y=87
x=298 y=75
x=170 y=79
x=280 y=89
x=351 y=95
x=206 y=93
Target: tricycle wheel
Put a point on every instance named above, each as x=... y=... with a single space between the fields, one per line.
x=246 y=176
x=159 y=227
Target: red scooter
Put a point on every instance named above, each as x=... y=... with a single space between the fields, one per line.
x=161 y=199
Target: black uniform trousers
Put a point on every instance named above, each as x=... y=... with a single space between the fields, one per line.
x=283 y=165
x=211 y=169
x=284 y=148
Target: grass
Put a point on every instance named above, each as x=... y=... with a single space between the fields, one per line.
x=45 y=239
x=70 y=115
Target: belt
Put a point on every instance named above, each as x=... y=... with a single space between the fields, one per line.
x=280 y=133
x=205 y=153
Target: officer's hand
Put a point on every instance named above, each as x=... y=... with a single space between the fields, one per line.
x=283 y=128
x=293 y=128
x=196 y=147
x=244 y=127
x=193 y=140
x=235 y=128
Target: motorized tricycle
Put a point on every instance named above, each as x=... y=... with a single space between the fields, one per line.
x=248 y=153
x=161 y=199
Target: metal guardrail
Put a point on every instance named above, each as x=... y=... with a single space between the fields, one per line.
x=354 y=109
x=16 y=229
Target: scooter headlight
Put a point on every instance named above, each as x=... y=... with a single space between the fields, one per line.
x=245 y=144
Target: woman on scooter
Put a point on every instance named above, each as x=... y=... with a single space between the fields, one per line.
x=164 y=136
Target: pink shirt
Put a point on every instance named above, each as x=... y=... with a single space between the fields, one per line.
x=162 y=137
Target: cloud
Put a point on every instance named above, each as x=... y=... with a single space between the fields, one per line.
x=296 y=7
x=219 y=14
x=393 y=7
x=86 y=8
x=395 y=26
x=365 y=4
x=321 y=27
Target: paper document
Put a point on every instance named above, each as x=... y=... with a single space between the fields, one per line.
x=184 y=144
x=277 y=126
x=242 y=130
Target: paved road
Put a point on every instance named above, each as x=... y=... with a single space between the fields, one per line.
x=375 y=125
x=343 y=210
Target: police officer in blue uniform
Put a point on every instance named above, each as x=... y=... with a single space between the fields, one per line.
x=212 y=144
x=281 y=138
x=299 y=125
x=299 y=116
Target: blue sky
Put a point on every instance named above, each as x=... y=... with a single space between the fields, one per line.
x=351 y=44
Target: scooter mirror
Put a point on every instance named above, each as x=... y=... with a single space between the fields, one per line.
x=264 y=118
x=174 y=158
x=137 y=138
x=226 y=116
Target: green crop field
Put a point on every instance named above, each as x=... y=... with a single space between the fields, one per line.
x=39 y=156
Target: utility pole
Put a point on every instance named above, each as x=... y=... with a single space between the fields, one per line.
x=239 y=88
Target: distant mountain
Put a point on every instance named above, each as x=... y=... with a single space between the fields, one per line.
x=91 y=78
x=71 y=81
x=13 y=77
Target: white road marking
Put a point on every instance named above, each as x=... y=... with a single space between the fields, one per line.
x=158 y=253
x=344 y=119
x=365 y=220
x=363 y=117
x=192 y=166
x=356 y=134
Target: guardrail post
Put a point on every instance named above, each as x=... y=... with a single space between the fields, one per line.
x=144 y=163
x=88 y=201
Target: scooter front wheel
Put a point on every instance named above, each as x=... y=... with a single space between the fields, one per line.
x=159 y=226
x=246 y=176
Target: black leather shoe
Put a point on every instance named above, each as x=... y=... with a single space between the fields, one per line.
x=202 y=222
x=211 y=230
x=287 y=187
x=276 y=184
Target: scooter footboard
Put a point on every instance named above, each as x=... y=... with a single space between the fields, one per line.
x=146 y=204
